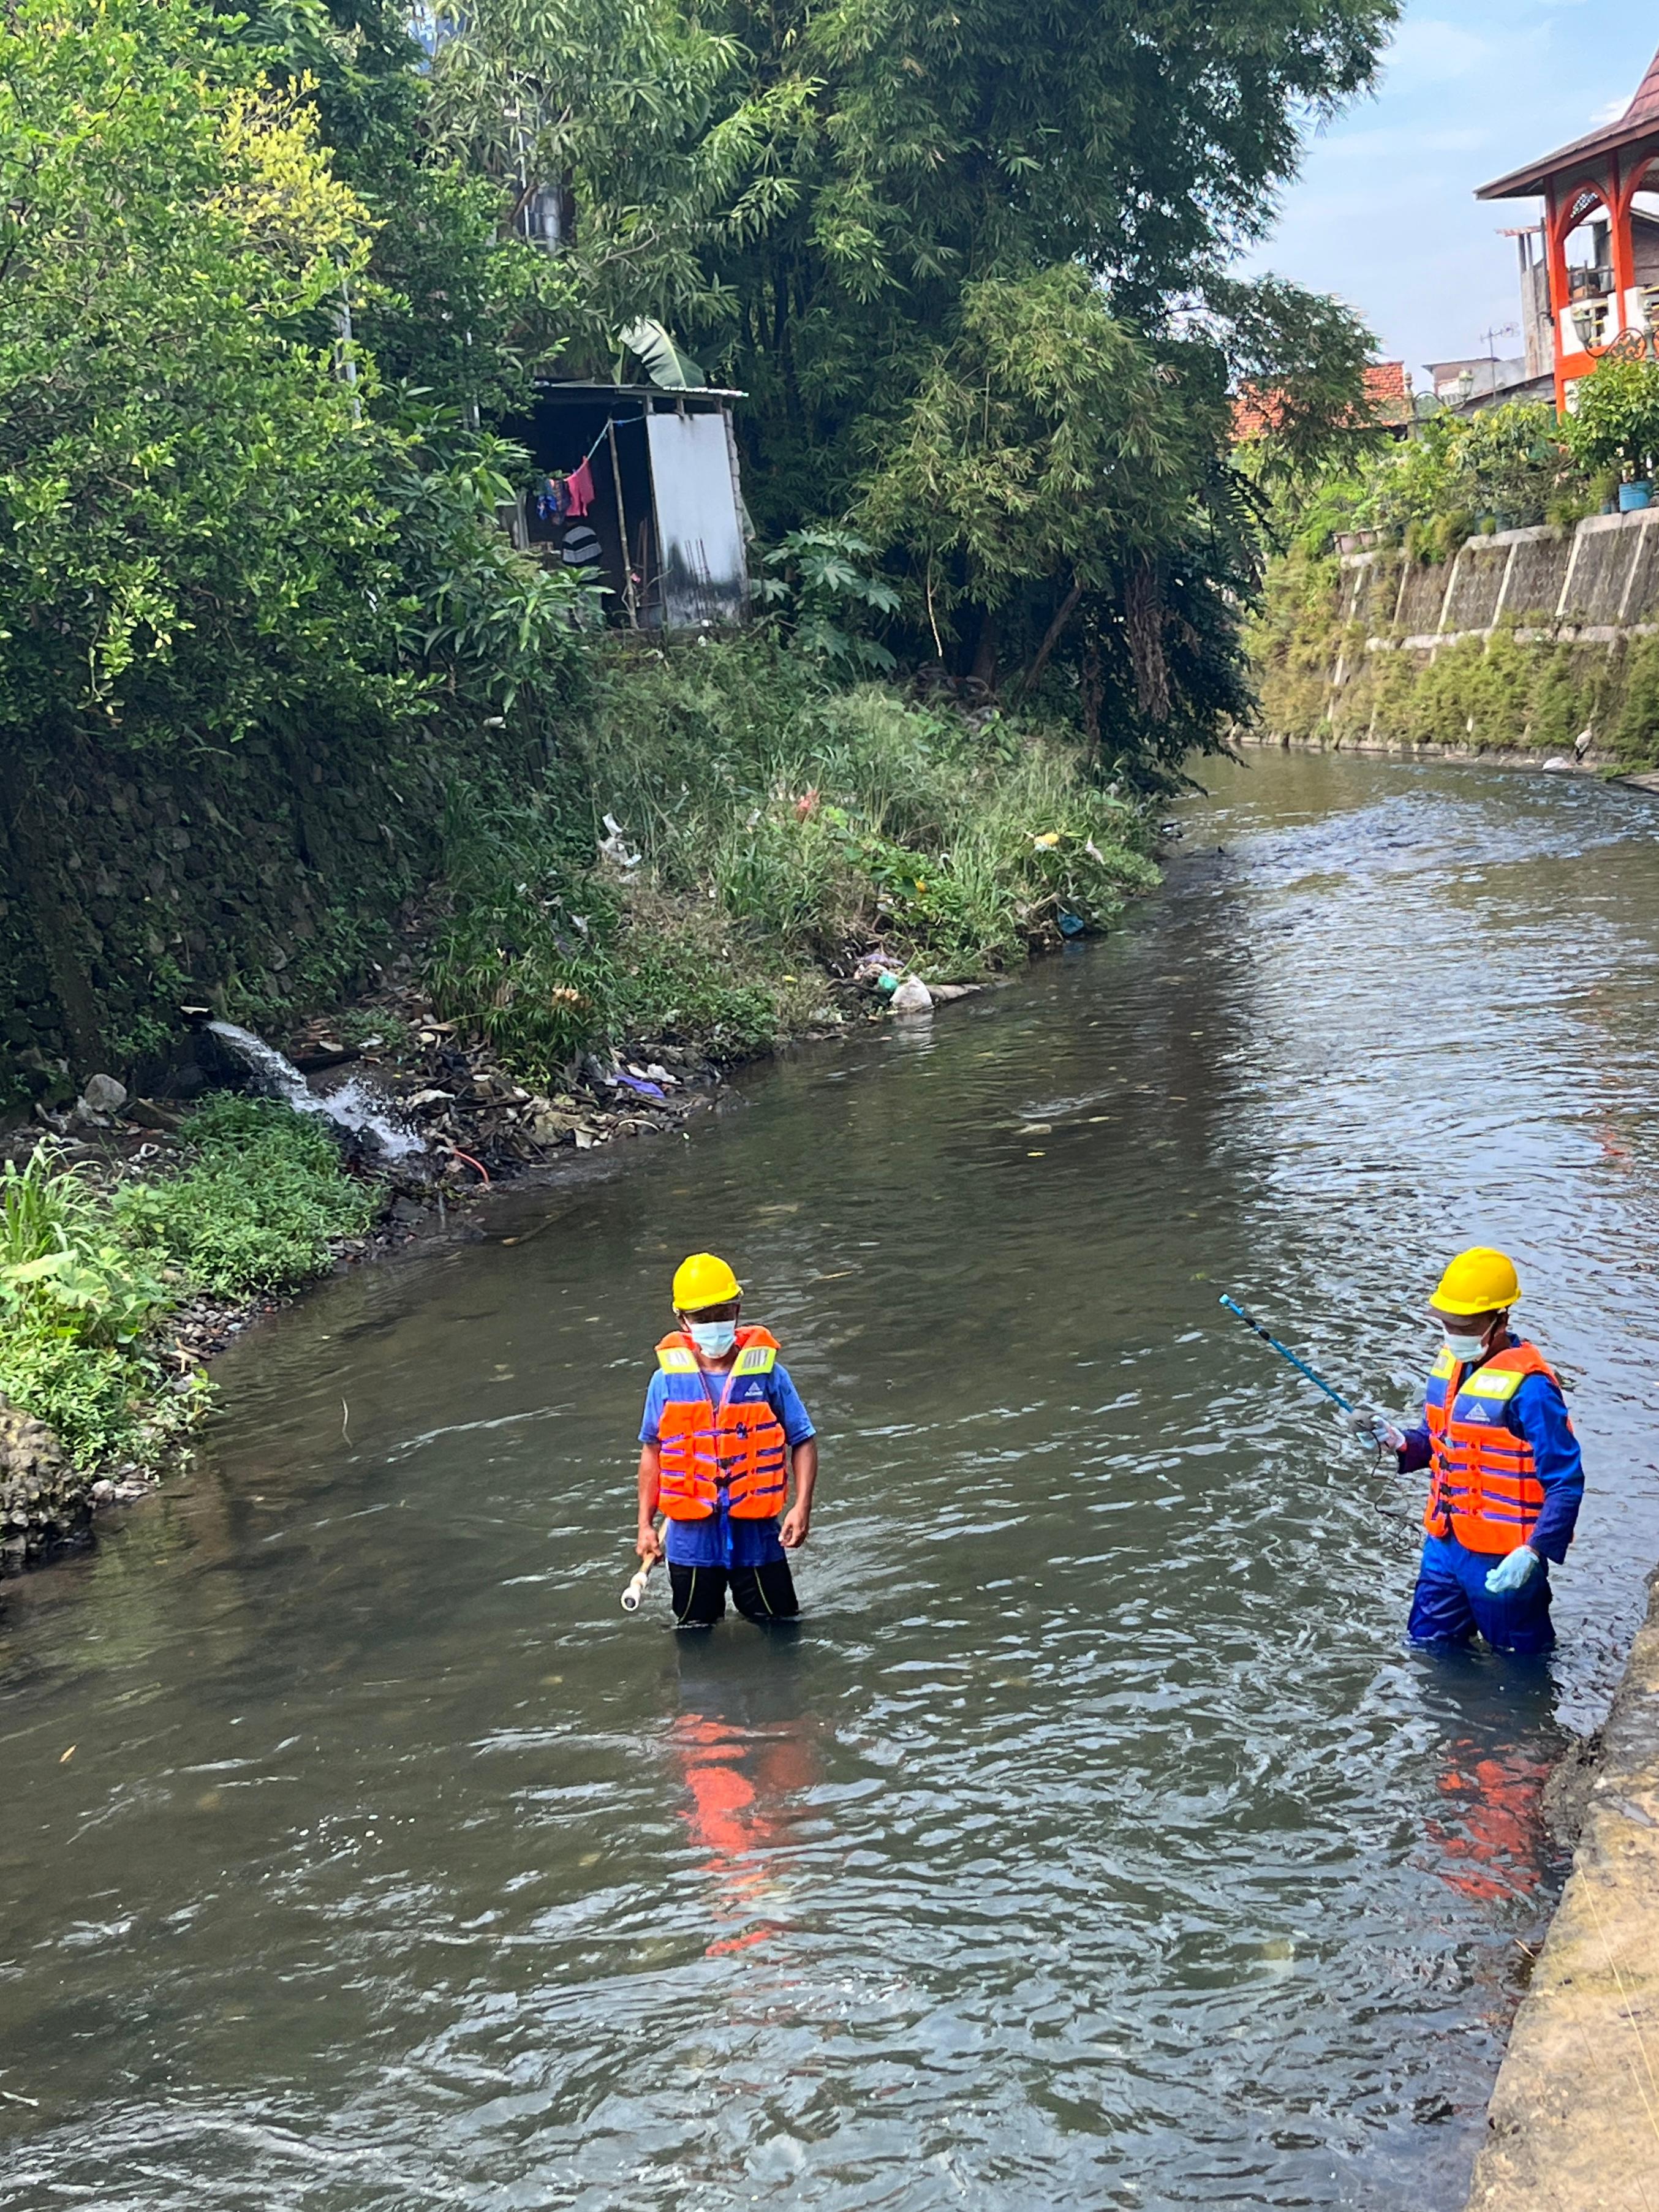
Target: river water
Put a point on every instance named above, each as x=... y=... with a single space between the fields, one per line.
x=1095 y=1841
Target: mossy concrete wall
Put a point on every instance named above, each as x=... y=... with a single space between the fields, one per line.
x=258 y=878
x=1537 y=639
x=1573 y=2125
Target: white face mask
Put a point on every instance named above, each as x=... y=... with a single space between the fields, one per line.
x=714 y=1339
x=1465 y=1348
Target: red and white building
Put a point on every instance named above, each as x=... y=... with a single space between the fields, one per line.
x=1593 y=270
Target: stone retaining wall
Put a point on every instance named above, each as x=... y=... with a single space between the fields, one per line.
x=252 y=877
x=1601 y=577
x=1543 y=639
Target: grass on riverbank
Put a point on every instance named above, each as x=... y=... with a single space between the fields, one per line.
x=771 y=827
x=89 y=1276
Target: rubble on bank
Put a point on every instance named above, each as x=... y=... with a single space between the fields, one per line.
x=44 y=1503
x=474 y=1117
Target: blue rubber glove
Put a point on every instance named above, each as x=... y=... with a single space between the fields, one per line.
x=1510 y=1573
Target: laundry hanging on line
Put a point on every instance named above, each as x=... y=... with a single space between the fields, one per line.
x=579 y=489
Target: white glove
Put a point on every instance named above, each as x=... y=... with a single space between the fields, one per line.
x=1512 y=1572
x=1375 y=1428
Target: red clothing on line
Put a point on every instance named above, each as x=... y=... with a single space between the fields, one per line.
x=579 y=489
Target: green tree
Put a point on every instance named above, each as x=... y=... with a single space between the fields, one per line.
x=452 y=302
x=1615 y=424
x=1046 y=443
x=627 y=136
x=936 y=149
x=210 y=515
x=196 y=525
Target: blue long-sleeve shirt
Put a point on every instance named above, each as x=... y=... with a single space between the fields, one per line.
x=1537 y=1413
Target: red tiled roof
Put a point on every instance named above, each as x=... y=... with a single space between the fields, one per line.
x=1257 y=408
x=1640 y=121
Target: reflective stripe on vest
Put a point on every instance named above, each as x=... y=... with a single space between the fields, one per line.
x=733 y=1442
x=1484 y=1488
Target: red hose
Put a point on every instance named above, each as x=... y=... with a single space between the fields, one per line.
x=455 y=1153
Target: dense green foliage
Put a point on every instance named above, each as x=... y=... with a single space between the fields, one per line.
x=970 y=270
x=270 y=277
x=88 y=1278
x=774 y=825
x=75 y=1305
x=1615 y=424
x=1507 y=467
x=257 y=1207
x=207 y=524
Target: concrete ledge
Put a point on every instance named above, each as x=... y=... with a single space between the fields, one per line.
x=1573 y=2125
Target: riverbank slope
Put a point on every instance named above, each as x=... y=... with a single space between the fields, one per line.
x=733 y=853
x=1574 y=2120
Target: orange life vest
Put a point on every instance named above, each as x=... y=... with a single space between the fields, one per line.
x=1484 y=1487
x=718 y=1432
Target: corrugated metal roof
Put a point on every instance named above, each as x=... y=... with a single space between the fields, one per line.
x=555 y=387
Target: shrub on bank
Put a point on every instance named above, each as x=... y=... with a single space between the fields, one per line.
x=769 y=825
x=258 y=1207
x=88 y=1278
x=77 y=1306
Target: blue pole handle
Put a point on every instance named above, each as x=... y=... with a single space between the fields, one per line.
x=1285 y=1352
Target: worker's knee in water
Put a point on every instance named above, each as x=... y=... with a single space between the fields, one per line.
x=1451 y=1602
x=1518 y=1622
x=698 y=1594
x=766 y=1592
x=1441 y=1612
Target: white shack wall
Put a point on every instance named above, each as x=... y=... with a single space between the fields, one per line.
x=705 y=572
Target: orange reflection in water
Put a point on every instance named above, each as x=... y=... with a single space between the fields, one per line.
x=1491 y=1844
x=743 y=1784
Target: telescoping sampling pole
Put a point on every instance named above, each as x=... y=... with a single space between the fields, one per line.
x=1285 y=1352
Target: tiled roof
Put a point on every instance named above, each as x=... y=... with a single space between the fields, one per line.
x=1257 y=408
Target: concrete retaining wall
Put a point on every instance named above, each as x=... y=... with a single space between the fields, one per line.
x=1573 y=2125
x=1591 y=582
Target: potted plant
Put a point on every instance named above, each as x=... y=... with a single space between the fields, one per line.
x=1616 y=426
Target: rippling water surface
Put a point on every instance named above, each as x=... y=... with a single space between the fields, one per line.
x=1095 y=1842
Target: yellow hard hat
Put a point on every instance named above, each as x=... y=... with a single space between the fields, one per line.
x=703 y=1280
x=1477 y=1281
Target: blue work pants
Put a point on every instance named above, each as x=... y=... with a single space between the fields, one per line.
x=1451 y=1602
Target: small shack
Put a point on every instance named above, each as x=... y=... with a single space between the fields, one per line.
x=640 y=481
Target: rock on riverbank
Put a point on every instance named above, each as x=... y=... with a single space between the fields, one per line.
x=44 y=1503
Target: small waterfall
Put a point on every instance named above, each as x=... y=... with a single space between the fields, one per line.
x=266 y=1070
x=358 y=1111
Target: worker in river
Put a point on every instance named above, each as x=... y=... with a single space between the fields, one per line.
x=723 y=1433
x=1505 y=1476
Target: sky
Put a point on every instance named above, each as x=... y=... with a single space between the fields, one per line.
x=1383 y=212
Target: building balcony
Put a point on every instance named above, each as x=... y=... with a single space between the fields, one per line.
x=1589 y=284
